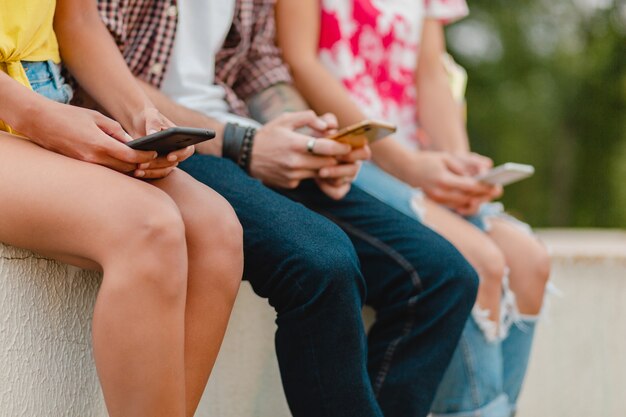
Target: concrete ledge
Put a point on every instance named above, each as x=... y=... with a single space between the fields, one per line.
x=578 y=367
x=578 y=370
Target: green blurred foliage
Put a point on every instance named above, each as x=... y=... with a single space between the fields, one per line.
x=547 y=86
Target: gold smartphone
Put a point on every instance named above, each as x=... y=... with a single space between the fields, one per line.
x=363 y=133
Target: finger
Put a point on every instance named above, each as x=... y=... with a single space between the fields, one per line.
x=338 y=182
x=181 y=154
x=112 y=128
x=497 y=192
x=126 y=154
x=154 y=125
x=470 y=209
x=160 y=162
x=359 y=154
x=331 y=121
x=467 y=185
x=301 y=174
x=311 y=162
x=340 y=171
x=153 y=173
x=116 y=164
x=455 y=165
x=156 y=122
x=327 y=147
x=301 y=119
x=334 y=192
x=483 y=160
x=450 y=198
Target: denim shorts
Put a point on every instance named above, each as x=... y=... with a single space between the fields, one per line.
x=45 y=78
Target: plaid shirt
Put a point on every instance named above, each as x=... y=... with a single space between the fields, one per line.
x=250 y=61
x=144 y=31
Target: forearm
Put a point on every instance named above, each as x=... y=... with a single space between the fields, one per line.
x=19 y=105
x=274 y=101
x=94 y=60
x=184 y=116
x=309 y=75
x=439 y=114
x=394 y=158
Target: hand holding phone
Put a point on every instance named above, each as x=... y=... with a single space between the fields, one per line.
x=171 y=139
x=506 y=174
x=363 y=133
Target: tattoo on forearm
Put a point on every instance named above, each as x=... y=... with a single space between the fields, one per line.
x=274 y=101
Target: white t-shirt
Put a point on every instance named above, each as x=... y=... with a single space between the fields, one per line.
x=190 y=76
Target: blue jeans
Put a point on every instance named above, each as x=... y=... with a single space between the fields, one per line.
x=318 y=269
x=45 y=78
x=484 y=378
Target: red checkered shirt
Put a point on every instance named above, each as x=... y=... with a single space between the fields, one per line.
x=249 y=61
x=144 y=31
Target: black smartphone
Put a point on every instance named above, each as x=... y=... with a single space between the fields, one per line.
x=171 y=139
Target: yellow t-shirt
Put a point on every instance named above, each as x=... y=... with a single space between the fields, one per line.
x=26 y=34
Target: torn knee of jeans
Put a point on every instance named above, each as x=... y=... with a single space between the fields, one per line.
x=516 y=318
x=495 y=331
x=487 y=326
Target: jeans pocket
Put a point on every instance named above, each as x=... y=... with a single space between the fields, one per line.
x=45 y=79
x=38 y=73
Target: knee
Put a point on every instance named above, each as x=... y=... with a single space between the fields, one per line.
x=216 y=245
x=152 y=255
x=327 y=271
x=462 y=281
x=540 y=265
x=491 y=266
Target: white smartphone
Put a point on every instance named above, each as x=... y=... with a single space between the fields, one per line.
x=507 y=174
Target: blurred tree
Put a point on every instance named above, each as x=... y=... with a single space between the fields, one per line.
x=547 y=86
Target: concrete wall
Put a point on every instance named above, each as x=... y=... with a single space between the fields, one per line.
x=578 y=370
x=579 y=364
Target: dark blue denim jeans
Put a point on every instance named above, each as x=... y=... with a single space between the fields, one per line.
x=318 y=276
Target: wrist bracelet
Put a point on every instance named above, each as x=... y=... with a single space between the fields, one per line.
x=245 y=156
x=237 y=144
x=231 y=146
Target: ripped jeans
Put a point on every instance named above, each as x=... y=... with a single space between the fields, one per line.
x=485 y=376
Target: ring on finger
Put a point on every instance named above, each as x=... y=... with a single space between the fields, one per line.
x=310 y=146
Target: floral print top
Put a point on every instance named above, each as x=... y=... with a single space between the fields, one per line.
x=372 y=46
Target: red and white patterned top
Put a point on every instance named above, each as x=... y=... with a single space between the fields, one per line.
x=372 y=46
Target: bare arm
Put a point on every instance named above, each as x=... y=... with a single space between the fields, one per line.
x=437 y=173
x=92 y=57
x=185 y=116
x=439 y=113
x=298 y=36
x=18 y=104
x=274 y=101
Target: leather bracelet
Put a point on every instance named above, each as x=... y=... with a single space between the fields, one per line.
x=237 y=144
x=233 y=141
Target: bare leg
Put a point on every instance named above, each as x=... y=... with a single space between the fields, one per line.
x=528 y=261
x=93 y=216
x=215 y=251
x=477 y=248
